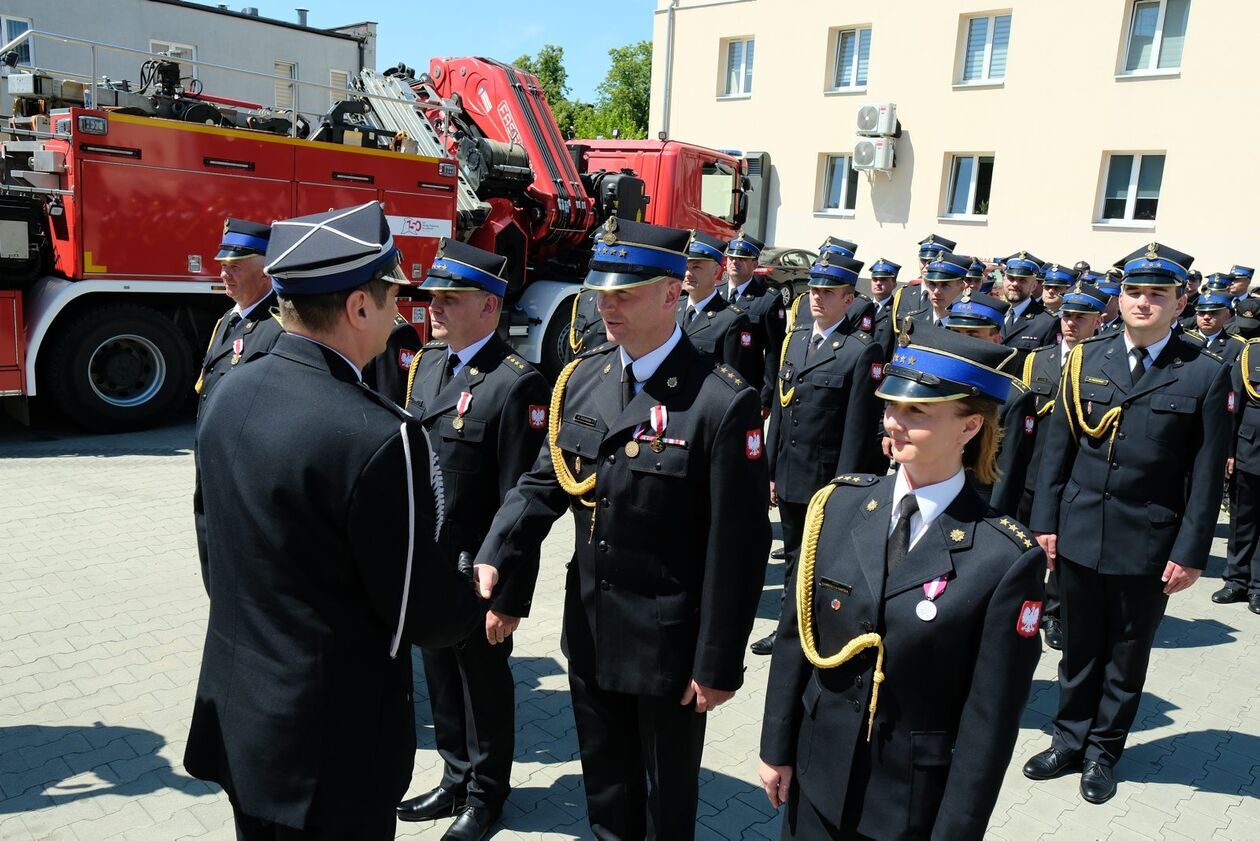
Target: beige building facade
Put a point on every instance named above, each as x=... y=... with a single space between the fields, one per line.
x=1075 y=129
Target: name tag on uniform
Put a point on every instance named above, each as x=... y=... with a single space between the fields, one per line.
x=1097 y=381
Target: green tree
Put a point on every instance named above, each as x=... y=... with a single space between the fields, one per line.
x=626 y=92
x=548 y=66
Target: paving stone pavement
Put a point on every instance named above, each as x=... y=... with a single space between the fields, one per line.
x=102 y=616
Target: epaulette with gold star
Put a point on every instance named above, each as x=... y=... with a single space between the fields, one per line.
x=1102 y=337
x=1015 y=532
x=435 y=343
x=1018 y=385
x=736 y=308
x=730 y=376
x=863 y=335
x=515 y=364
x=857 y=480
x=604 y=348
x=1211 y=354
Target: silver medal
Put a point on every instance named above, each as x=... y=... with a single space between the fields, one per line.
x=926 y=610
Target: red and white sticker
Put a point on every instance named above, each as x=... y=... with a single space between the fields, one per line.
x=877 y=370
x=1231 y=402
x=1030 y=424
x=752 y=444
x=538 y=416
x=1029 y=620
x=405 y=357
x=745 y=339
x=867 y=323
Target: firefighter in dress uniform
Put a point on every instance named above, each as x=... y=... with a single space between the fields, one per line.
x=657 y=609
x=1056 y=282
x=1240 y=281
x=713 y=324
x=1126 y=505
x=485 y=409
x=1079 y=315
x=1242 y=573
x=1027 y=326
x=945 y=281
x=904 y=661
x=322 y=510
x=765 y=309
x=883 y=288
x=980 y=316
x=825 y=420
x=1213 y=312
x=1109 y=283
x=1246 y=323
x=913 y=297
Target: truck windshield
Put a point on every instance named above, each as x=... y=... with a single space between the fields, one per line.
x=718 y=190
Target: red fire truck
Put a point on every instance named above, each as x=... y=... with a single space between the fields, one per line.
x=113 y=195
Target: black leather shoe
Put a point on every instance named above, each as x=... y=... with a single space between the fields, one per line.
x=763 y=646
x=1051 y=763
x=1253 y=603
x=439 y=803
x=472 y=824
x=1229 y=594
x=778 y=554
x=1098 y=782
x=1054 y=633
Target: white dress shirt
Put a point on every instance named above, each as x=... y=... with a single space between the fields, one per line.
x=466 y=355
x=699 y=307
x=824 y=332
x=739 y=290
x=932 y=499
x=645 y=366
x=1152 y=350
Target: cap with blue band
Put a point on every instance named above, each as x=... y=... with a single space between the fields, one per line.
x=1155 y=265
x=1213 y=301
x=460 y=267
x=934 y=366
x=948 y=266
x=705 y=247
x=744 y=246
x=628 y=254
x=884 y=268
x=933 y=245
x=1057 y=275
x=242 y=238
x=1023 y=264
x=841 y=247
x=1084 y=298
x=831 y=270
x=976 y=311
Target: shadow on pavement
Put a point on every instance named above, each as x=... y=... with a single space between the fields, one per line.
x=1222 y=761
x=45 y=762
x=1175 y=632
x=60 y=438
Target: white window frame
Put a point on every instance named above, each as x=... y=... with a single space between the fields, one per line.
x=293 y=71
x=985 y=79
x=30 y=24
x=159 y=45
x=971 y=188
x=1157 y=45
x=1130 y=198
x=724 y=81
x=821 y=208
x=336 y=96
x=836 y=41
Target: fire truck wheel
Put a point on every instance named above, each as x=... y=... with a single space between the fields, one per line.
x=118 y=367
x=555 y=350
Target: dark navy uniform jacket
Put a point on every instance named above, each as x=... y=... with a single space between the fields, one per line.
x=768 y=315
x=1126 y=504
x=671 y=546
x=302 y=712
x=723 y=331
x=484 y=451
x=954 y=689
x=1245 y=377
x=1019 y=431
x=257 y=333
x=1033 y=328
x=1042 y=373
x=830 y=424
x=1225 y=345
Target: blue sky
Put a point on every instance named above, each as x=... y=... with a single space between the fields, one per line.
x=416 y=30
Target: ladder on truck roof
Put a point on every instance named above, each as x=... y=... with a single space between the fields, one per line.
x=389 y=98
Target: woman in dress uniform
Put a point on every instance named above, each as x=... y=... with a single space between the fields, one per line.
x=905 y=659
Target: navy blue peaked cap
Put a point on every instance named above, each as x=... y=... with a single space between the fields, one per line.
x=242 y=238
x=705 y=247
x=460 y=267
x=332 y=252
x=932 y=366
x=629 y=253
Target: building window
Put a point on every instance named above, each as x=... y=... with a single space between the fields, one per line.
x=984 y=50
x=838 y=192
x=852 y=56
x=339 y=80
x=185 y=54
x=1157 y=35
x=286 y=92
x=1131 y=191
x=739 y=67
x=12 y=28
x=970 y=177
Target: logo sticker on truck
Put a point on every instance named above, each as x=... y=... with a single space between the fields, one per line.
x=419 y=226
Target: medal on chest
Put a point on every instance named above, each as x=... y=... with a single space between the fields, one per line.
x=926 y=609
x=465 y=400
x=237 y=347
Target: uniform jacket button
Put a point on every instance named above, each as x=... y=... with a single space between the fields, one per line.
x=604 y=503
x=867 y=626
x=858 y=682
x=603 y=546
x=857 y=705
x=604 y=585
x=1107 y=495
x=1115 y=466
x=612 y=458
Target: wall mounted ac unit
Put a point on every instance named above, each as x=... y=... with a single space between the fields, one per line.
x=873 y=154
x=877 y=119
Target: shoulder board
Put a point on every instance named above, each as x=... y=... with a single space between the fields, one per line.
x=381 y=400
x=1194 y=334
x=1211 y=354
x=596 y=351
x=864 y=336
x=857 y=480
x=399 y=321
x=434 y=344
x=1018 y=385
x=515 y=364
x=1015 y=532
x=1111 y=334
x=735 y=308
x=1236 y=337
x=730 y=376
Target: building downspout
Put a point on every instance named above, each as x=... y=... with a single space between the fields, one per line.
x=669 y=68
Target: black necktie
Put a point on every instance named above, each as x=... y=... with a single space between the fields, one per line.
x=1139 y=363
x=233 y=320
x=449 y=370
x=1010 y=318
x=627 y=385
x=899 y=540
x=814 y=345
x=691 y=314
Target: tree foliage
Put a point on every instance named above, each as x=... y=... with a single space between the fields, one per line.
x=622 y=97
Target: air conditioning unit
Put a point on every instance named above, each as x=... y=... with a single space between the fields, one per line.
x=877 y=119
x=873 y=153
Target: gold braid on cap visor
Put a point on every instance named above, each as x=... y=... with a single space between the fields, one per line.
x=564 y=476
x=805 y=609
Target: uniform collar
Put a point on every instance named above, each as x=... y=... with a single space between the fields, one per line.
x=739 y=290
x=1018 y=309
x=358 y=373
x=645 y=366
x=932 y=499
x=244 y=312
x=699 y=307
x=1064 y=350
x=1207 y=340
x=466 y=355
x=825 y=332
x=1152 y=350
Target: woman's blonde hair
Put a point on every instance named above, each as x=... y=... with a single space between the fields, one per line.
x=980 y=453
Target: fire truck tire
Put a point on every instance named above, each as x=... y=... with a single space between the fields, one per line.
x=118 y=367
x=555 y=349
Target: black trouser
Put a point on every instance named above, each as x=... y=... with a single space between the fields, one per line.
x=1051 y=610
x=376 y=827
x=1244 y=533
x=471 y=693
x=1109 y=624
x=640 y=762
x=792 y=519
